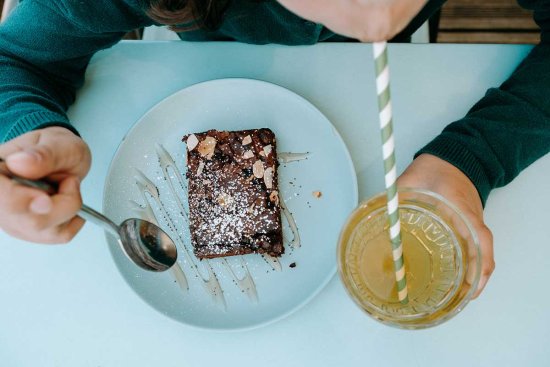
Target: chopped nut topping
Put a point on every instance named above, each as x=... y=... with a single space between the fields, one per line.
x=258 y=169
x=268 y=177
x=317 y=194
x=262 y=153
x=192 y=142
x=200 y=169
x=207 y=147
x=248 y=154
x=251 y=209
x=247 y=140
x=225 y=199
x=274 y=197
x=267 y=149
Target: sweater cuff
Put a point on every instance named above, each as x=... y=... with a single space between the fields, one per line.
x=459 y=156
x=38 y=120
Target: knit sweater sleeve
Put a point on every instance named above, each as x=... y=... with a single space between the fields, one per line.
x=509 y=128
x=45 y=47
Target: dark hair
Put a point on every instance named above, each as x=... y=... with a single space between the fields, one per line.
x=186 y=15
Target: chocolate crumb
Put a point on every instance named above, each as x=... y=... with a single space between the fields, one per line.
x=292 y=265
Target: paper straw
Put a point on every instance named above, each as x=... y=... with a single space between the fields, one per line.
x=390 y=171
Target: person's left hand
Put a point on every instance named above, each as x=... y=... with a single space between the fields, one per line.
x=434 y=174
x=365 y=20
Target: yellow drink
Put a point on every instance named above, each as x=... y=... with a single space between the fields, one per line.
x=441 y=260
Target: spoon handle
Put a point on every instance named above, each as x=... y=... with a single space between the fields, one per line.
x=40 y=185
x=47 y=187
x=96 y=217
x=50 y=188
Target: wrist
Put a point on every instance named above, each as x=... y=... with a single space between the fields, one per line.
x=457 y=155
x=34 y=121
x=74 y=148
x=433 y=173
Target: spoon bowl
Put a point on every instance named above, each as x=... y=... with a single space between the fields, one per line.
x=145 y=244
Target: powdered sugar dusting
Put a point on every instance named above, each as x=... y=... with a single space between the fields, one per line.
x=230 y=208
x=229 y=201
x=210 y=283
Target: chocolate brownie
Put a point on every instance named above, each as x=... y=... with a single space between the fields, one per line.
x=233 y=193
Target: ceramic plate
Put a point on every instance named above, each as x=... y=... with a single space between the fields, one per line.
x=245 y=291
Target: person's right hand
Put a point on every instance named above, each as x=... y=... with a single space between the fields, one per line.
x=54 y=154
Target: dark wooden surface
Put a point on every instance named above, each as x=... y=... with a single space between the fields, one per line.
x=479 y=21
x=486 y=21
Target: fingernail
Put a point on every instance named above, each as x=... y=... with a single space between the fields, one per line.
x=482 y=282
x=41 y=205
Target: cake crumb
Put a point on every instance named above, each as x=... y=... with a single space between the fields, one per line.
x=317 y=194
x=292 y=265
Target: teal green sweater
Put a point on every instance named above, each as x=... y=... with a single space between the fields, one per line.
x=45 y=47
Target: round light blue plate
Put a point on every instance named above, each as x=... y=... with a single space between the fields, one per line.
x=236 y=104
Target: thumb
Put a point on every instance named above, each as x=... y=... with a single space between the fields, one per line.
x=52 y=152
x=36 y=161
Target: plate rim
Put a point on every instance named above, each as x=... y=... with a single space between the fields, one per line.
x=330 y=274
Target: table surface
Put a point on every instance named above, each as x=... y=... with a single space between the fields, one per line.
x=69 y=306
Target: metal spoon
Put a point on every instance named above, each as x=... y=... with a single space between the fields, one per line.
x=143 y=242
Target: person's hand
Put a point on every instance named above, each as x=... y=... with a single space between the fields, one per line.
x=365 y=20
x=55 y=154
x=432 y=173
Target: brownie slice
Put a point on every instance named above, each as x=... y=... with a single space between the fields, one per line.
x=233 y=193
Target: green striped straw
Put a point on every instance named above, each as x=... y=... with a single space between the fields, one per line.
x=390 y=171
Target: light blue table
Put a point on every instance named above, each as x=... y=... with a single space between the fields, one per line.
x=68 y=305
